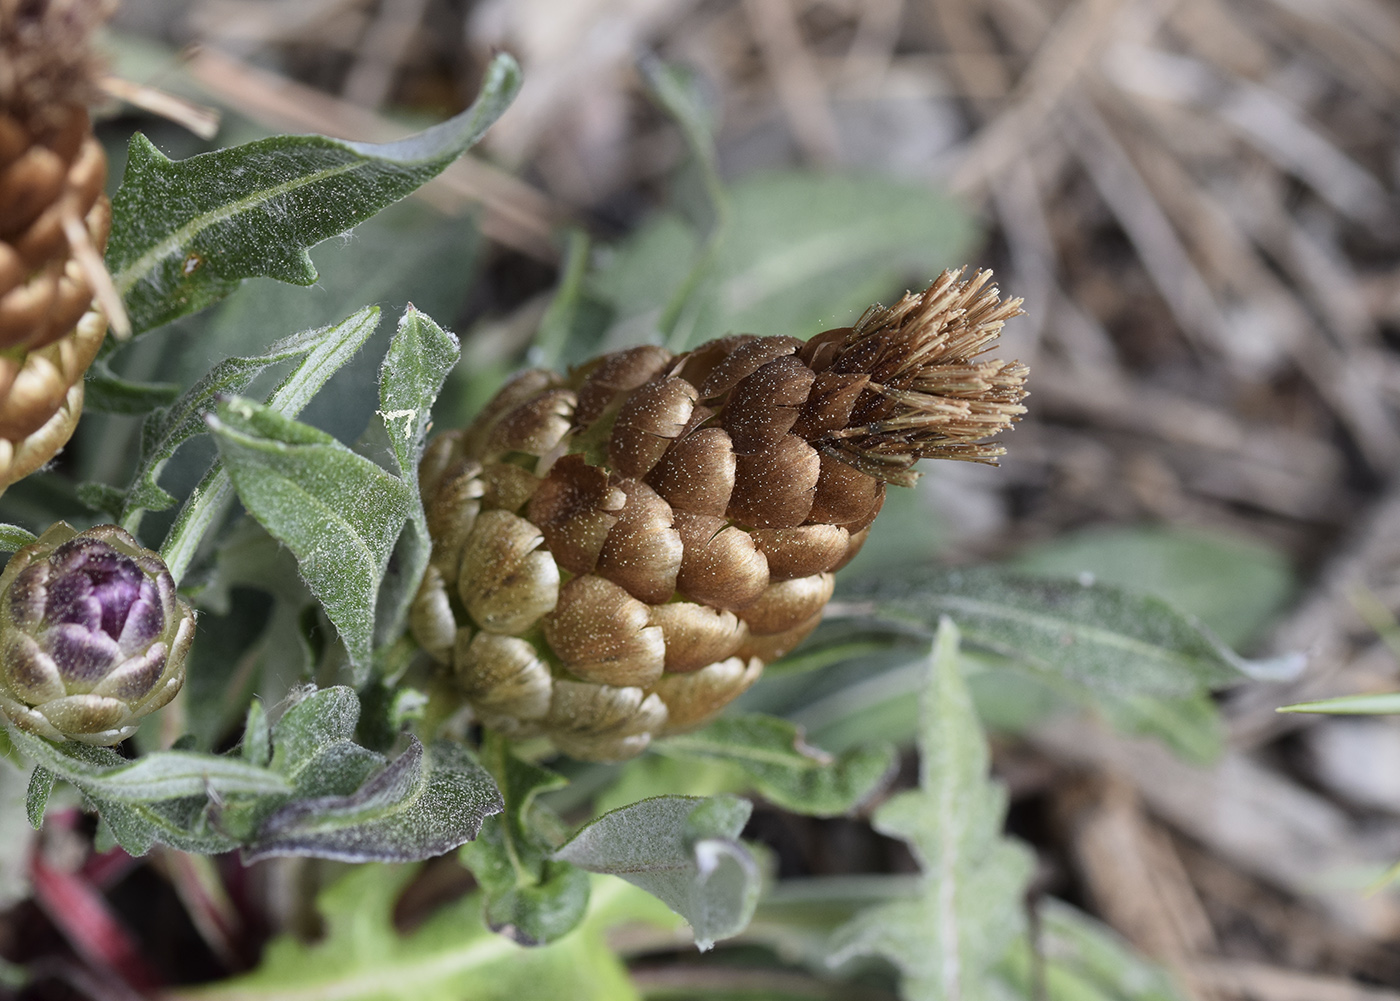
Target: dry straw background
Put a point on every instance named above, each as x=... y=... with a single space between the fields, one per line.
x=1197 y=199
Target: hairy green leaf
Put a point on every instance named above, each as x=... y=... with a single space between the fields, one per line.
x=338 y=512
x=785 y=768
x=161 y=775
x=1233 y=585
x=1093 y=634
x=453 y=956
x=167 y=429
x=186 y=233
x=946 y=940
x=419 y=358
x=36 y=799
x=530 y=897
x=107 y=392
x=418 y=806
x=14 y=538
x=206 y=502
x=684 y=850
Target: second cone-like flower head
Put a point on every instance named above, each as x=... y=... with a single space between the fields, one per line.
x=617 y=554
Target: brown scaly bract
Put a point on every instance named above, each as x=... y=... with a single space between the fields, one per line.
x=616 y=554
x=54 y=221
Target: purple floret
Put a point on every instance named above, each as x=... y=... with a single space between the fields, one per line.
x=101 y=608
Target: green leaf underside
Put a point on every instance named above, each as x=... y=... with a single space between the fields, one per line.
x=530 y=897
x=1094 y=634
x=771 y=752
x=327 y=355
x=338 y=512
x=185 y=233
x=947 y=939
x=453 y=956
x=1376 y=704
x=684 y=851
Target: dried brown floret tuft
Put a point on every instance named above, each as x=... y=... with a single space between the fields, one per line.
x=618 y=554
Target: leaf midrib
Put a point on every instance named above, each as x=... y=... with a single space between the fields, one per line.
x=127 y=278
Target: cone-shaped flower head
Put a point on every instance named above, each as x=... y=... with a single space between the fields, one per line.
x=54 y=220
x=92 y=634
x=617 y=554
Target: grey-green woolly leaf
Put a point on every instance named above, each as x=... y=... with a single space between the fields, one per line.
x=684 y=851
x=338 y=512
x=314 y=751
x=314 y=747
x=453 y=956
x=186 y=233
x=1094 y=634
x=184 y=824
x=419 y=358
x=36 y=799
x=418 y=806
x=14 y=538
x=947 y=939
x=785 y=768
x=167 y=429
x=1080 y=959
x=1234 y=585
x=206 y=502
x=101 y=772
x=531 y=897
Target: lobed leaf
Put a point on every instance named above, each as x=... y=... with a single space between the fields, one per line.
x=684 y=851
x=787 y=770
x=947 y=939
x=338 y=512
x=186 y=233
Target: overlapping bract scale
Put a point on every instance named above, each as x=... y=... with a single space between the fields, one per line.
x=618 y=553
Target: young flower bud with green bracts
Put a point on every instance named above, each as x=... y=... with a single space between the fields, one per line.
x=92 y=635
x=619 y=552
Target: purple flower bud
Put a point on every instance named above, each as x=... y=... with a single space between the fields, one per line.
x=92 y=635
